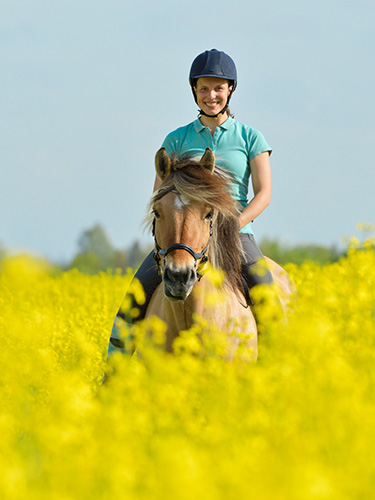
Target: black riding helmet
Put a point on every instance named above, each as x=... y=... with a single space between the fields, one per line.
x=217 y=64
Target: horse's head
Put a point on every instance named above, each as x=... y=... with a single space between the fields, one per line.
x=182 y=224
x=192 y=211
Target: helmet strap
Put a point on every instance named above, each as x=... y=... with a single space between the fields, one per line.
x=201 y=112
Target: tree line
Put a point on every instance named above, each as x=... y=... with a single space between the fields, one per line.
x=97 y=253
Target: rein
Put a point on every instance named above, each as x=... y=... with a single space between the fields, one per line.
x=158 y=251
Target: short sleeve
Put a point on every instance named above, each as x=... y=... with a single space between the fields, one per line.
x=258 y=144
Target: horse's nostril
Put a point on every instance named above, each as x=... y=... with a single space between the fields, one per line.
x=193 y=275
x=178 y=276
x=166 y=275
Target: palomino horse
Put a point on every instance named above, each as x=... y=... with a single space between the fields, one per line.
x=194 y=220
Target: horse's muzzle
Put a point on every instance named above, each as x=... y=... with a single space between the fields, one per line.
x=178 y=282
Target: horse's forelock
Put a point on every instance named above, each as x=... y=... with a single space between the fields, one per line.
x=199 y=184
x=195 y=183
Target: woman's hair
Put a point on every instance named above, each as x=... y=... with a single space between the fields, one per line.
x=195 y=81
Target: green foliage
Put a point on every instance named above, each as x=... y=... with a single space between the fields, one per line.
x=285 y=254
x=96 y=241
x=97 y=253
x=2 y=252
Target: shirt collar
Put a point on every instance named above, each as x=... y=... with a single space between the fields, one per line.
x=226 y=125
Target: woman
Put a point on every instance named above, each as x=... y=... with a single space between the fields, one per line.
x=239 y=149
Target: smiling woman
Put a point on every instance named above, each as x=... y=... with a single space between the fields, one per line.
x=212 y=95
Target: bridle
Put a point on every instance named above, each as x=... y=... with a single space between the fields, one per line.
x=158 y=251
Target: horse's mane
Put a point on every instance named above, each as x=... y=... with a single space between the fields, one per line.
x=198 y=184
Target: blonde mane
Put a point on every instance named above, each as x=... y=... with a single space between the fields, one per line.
x=198 y=184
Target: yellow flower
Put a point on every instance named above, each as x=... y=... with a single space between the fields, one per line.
x=298 y=423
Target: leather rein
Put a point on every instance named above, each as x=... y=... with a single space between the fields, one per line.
x=158 y=251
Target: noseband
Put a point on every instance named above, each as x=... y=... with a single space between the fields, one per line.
x=158 y=251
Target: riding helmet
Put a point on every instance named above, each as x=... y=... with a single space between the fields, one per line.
x=213 y=63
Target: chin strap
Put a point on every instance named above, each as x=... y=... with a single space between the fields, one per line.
x=201 y=112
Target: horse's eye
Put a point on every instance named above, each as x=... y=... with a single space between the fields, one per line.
x=156 y=214
x=209 y=215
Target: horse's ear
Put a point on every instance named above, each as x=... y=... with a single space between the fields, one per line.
x=208 y=160
x=162 y=164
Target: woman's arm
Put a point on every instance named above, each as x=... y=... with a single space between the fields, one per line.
x=261 y=180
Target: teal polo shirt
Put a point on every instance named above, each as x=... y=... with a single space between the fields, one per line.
x=234 y=145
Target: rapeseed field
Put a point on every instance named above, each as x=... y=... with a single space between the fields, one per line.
x=297 y=424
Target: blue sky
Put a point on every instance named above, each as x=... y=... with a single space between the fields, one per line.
x=89 y=89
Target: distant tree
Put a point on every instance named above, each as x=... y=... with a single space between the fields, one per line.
x=96 y=253
x=284 y=254
x=315 y=253
x=137 y=254
x=95 y=240
x=2 y=252
x=121 y=260
x=273 y=249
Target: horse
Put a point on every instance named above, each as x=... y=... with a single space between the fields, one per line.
x=194 y=222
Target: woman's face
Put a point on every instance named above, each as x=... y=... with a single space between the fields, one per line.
x=212 y=94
